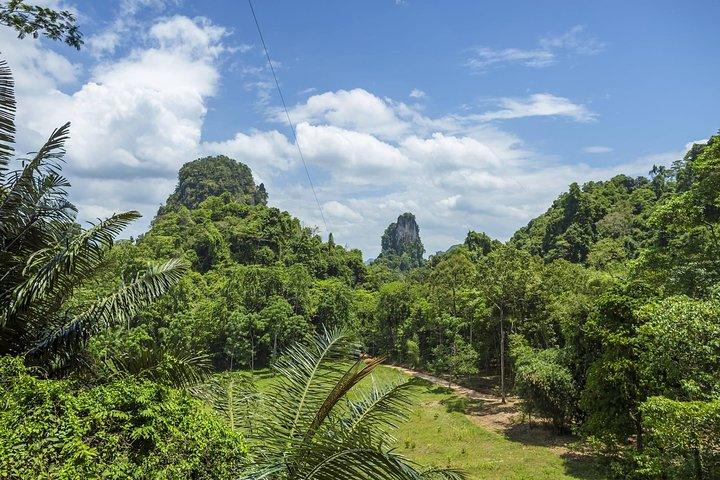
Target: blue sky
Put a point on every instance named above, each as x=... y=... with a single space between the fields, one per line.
x=472 y=115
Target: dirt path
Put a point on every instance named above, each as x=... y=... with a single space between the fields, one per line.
x=488 y=411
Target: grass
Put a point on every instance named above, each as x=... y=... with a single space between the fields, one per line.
x=436 y=435
x=439 y=434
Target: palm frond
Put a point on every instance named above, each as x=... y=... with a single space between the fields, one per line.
x=161 y=364
x=306 y=431
x=376 y=411
x=45 y=161
x=354 y=375
x=309 y=372
x=233 y=396
x=113 y=309
x=52 y=272
x=371 y=463
x=7 y=117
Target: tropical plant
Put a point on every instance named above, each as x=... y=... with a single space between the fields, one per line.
x=320 y=422
x=36 y=19
x=45 y=256
x=118 y=429
x=159 y=363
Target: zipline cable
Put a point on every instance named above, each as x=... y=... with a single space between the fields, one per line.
x=287 y=114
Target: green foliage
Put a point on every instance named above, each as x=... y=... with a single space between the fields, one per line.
x=684 y=258
x=480 y=243
x=579 y=219
x=683 y=441
x=34 y=20
x=679 y=348
x=544 y=382
x=212 y=177
x=55 y=429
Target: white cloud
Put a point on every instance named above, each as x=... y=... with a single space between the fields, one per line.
x=135 y=121
x=355 y=109
x=573 y=42
x=484 y=57
x=353 y=157
x=597 y=149
x=539 y=105
x=125 y=26
x=138 y=118
x=342 y=213
x=416 y=93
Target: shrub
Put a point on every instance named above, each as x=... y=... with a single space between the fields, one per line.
x=682 y=439
x=543 y=382
x=56 y=429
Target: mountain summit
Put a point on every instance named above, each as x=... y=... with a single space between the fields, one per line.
x=401 y=245
x=213 y=176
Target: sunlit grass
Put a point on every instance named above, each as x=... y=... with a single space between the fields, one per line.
x=434 y=436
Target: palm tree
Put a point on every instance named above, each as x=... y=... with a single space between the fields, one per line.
x=45 y=255
x=319 y=422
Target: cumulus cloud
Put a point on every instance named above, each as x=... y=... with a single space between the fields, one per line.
x=339 y=212
x=549 y=50
x=138 y=117
x=135 y=120
x=124 y=26
x=355 y=109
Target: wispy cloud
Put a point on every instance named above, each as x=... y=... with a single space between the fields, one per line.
x=597 y=149
x=416 y=93
x=539 y=105
x=575 y=40
x=549 y=50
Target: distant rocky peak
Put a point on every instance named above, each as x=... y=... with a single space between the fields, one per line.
x=402 y=239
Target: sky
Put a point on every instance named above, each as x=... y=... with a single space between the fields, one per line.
x=471 y=115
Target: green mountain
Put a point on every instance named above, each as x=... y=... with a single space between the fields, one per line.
x=598 y=223
x=213 y=176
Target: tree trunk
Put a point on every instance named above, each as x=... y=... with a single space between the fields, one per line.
x=502 y=357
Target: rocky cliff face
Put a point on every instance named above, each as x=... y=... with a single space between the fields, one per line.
x=213 y=176
x=401 y=244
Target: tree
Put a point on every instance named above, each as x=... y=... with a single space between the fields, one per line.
x=463 y=359
x=454 y=272
x=505 y=274
x=35 y=20
x=543 y=382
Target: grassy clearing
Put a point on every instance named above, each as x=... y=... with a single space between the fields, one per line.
x=436 y=436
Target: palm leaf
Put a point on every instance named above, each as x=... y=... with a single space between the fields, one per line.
x=116 y=308
x=21 y=185
x=306 y=431
x=233 y=396
x=354 y=375
x=377 y=411
x=309 y=372
x=162 y=364
x=52 y=272
x=7 y=117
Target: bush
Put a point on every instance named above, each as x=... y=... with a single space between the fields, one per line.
x=682 y=439
x=55 y=429
x=545 y=385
